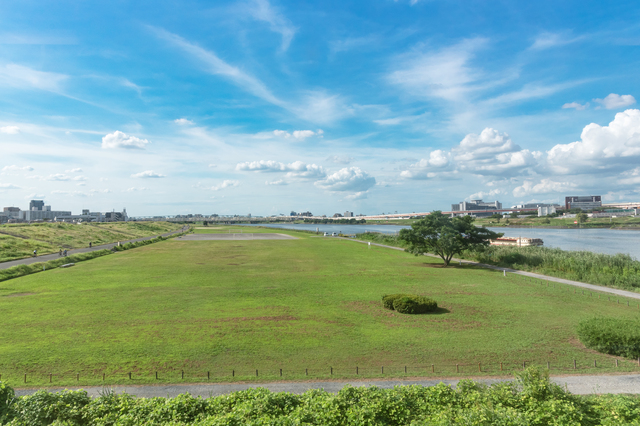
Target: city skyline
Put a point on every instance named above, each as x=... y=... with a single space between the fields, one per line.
x=264 y=107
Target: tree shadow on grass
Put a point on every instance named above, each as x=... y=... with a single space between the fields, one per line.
x=438 y=311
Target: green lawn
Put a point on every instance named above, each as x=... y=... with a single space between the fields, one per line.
x=311 y=303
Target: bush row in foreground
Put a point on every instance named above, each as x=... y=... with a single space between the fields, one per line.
x=531 y=400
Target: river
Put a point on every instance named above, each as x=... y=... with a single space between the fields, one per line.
x=608 y=241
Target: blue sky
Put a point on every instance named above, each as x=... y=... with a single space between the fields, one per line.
x=265 y=107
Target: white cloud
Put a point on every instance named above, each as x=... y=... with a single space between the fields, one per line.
x=443 y=74
x=79 y=178
x=14 y=168
x=34 y=196
x=276 y=182
x=545 y=186
x=426 y=168
x=100 y=191
x=225 y=184
x=183 y=122
x=136 y=189
x=70 y=193
x=8 y=186
x=81 y=184
x=213 y=165
x=148 y=174
x=263 y=11
x=297 y=169
x=601 y=147
x=614 y=101
x=548 y=40
x=362 y=195
x=576 y=105
x=261 y=166
x=217 y=66
x=118 y=139
x=58 y=177
x=76 y=170
x=482 y=195
x=492 y=153
x=350 y=179
x=299 y=135
x=340 y=159
x=10 y=130
x=320 y=107
x=21 y=76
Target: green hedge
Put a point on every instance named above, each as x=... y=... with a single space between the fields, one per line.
x=611 y=336
x=532 y=399
x=409 y=303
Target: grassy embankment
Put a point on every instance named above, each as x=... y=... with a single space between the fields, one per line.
x=625 y=222
x=619 y=271
x=18 y=241
x=306 y=306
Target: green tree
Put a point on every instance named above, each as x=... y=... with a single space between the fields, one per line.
x=581 y=217
x=445 y=236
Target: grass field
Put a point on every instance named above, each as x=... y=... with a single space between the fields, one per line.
x=19 y=240
x=312 y=303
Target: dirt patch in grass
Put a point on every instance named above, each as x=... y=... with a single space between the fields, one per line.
x=19 y=294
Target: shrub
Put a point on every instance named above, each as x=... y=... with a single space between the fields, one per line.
x=409 y=303
x=7 y=396
x=612 y=336
x=414 y=305
x=388 y=299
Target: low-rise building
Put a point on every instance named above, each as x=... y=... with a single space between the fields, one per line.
x=584 y=202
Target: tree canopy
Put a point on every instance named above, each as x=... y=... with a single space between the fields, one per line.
x=445 y=236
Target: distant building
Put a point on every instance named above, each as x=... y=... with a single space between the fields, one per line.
x=348 y=214
x=546 y=210
x=587 y=202
x=337 y=215
x=118 y=216
x=36 y=205
x=478 y=207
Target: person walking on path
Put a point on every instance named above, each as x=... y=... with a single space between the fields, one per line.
x=35 y=253
x=89 y=244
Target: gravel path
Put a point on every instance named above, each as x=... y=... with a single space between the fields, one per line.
x=602 y=289
x=582 y=385
x=47 y=257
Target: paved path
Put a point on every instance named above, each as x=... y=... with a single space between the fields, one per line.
x=582 y=385
x=603 y=289
x=47 y=257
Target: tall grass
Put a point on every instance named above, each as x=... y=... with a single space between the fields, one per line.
x=620 y=270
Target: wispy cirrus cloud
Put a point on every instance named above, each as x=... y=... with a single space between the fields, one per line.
x=262 y=10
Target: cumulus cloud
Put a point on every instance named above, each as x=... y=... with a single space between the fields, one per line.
x=357 y=196
x=492 y=153
x=8 y=186
x=76 y=170
x=14 y=168
x=225 y=184
x=276 y=182
x=70 y=193
x=148 y=174
x=118 y=139
x=136 y=189
x=350 y=179
x=261 y=166
x=545 y=186
x=34 y=196
x=486 y=195
x=10 y=130
x=298 y=135
x=426 y=168
x=576 y=106
x=600 y=147
x=79 y=178
x=100 y=191
x=58 y=177
x=297 y=169
x=183 y=121
x=614 y=101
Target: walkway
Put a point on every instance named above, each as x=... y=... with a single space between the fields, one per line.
x=600 y=288
x=582 y=385
x=47 y=257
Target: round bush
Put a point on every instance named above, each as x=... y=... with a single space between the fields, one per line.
x=611 y=336
x=409 y=303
